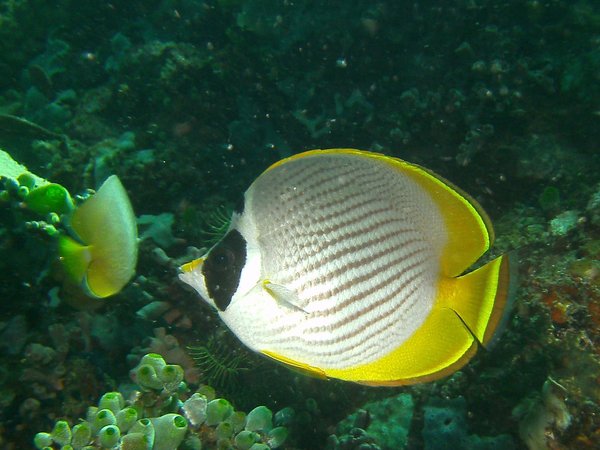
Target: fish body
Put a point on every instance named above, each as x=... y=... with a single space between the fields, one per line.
x=348 y=264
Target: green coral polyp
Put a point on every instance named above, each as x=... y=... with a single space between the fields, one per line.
x=237 y=420
x=145 y=428
x=49 y=198
x=22 y=192
x=179 y=422
x=82 y=435
x=42 y=440
x=217 y=411
x=154 y=360
x=153 y=373
x=171 y=374
x=277 y=437
x=135 y=441
x=113 y=401
x=27 y=179
x=104 y=417
x=147 y=378
x=259 y=419
x=246 y=439
x=126 y=418
x=207 y=391
x=109 y=436
x=151 y=421
x=224 y=430
x=259 y=446
x=170 y=431
x=61 y=433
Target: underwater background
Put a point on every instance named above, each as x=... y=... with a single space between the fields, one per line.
x=188 y=102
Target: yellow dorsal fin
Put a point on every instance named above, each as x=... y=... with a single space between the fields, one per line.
x=470 y=233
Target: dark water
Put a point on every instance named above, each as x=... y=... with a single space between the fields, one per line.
x=189 y=101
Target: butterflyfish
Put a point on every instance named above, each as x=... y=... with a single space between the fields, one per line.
x=353 y=265
x=102 y=254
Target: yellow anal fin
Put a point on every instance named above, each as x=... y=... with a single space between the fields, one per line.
x=438 y=348
x=480 y=298
x=296 y=366
x=466 y=313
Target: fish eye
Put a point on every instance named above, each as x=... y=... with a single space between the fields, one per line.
x=222 y=259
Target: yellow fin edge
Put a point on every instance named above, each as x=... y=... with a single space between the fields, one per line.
x=438 y=348
x=470 y=231
x=305 y=369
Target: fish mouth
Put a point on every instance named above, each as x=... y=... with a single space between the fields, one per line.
x=191 y=266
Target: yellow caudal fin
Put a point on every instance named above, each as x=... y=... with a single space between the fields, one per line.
x=481 y=298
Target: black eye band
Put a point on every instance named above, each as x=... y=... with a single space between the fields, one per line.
x=223 y=267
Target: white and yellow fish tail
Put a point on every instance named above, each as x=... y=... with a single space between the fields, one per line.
x=466 y=314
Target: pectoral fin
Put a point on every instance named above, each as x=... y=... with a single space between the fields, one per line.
x=283 y=295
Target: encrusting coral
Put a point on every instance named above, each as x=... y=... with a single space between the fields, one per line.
x=542 y=416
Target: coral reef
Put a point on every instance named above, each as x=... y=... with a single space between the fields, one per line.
x=386 y=422
x=187 y=102
x=541 y=417
x=162 y=415
x=445 y=427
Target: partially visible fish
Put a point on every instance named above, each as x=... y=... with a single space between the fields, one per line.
x=102 y=254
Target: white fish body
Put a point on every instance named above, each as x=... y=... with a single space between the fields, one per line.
x=336 y=262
